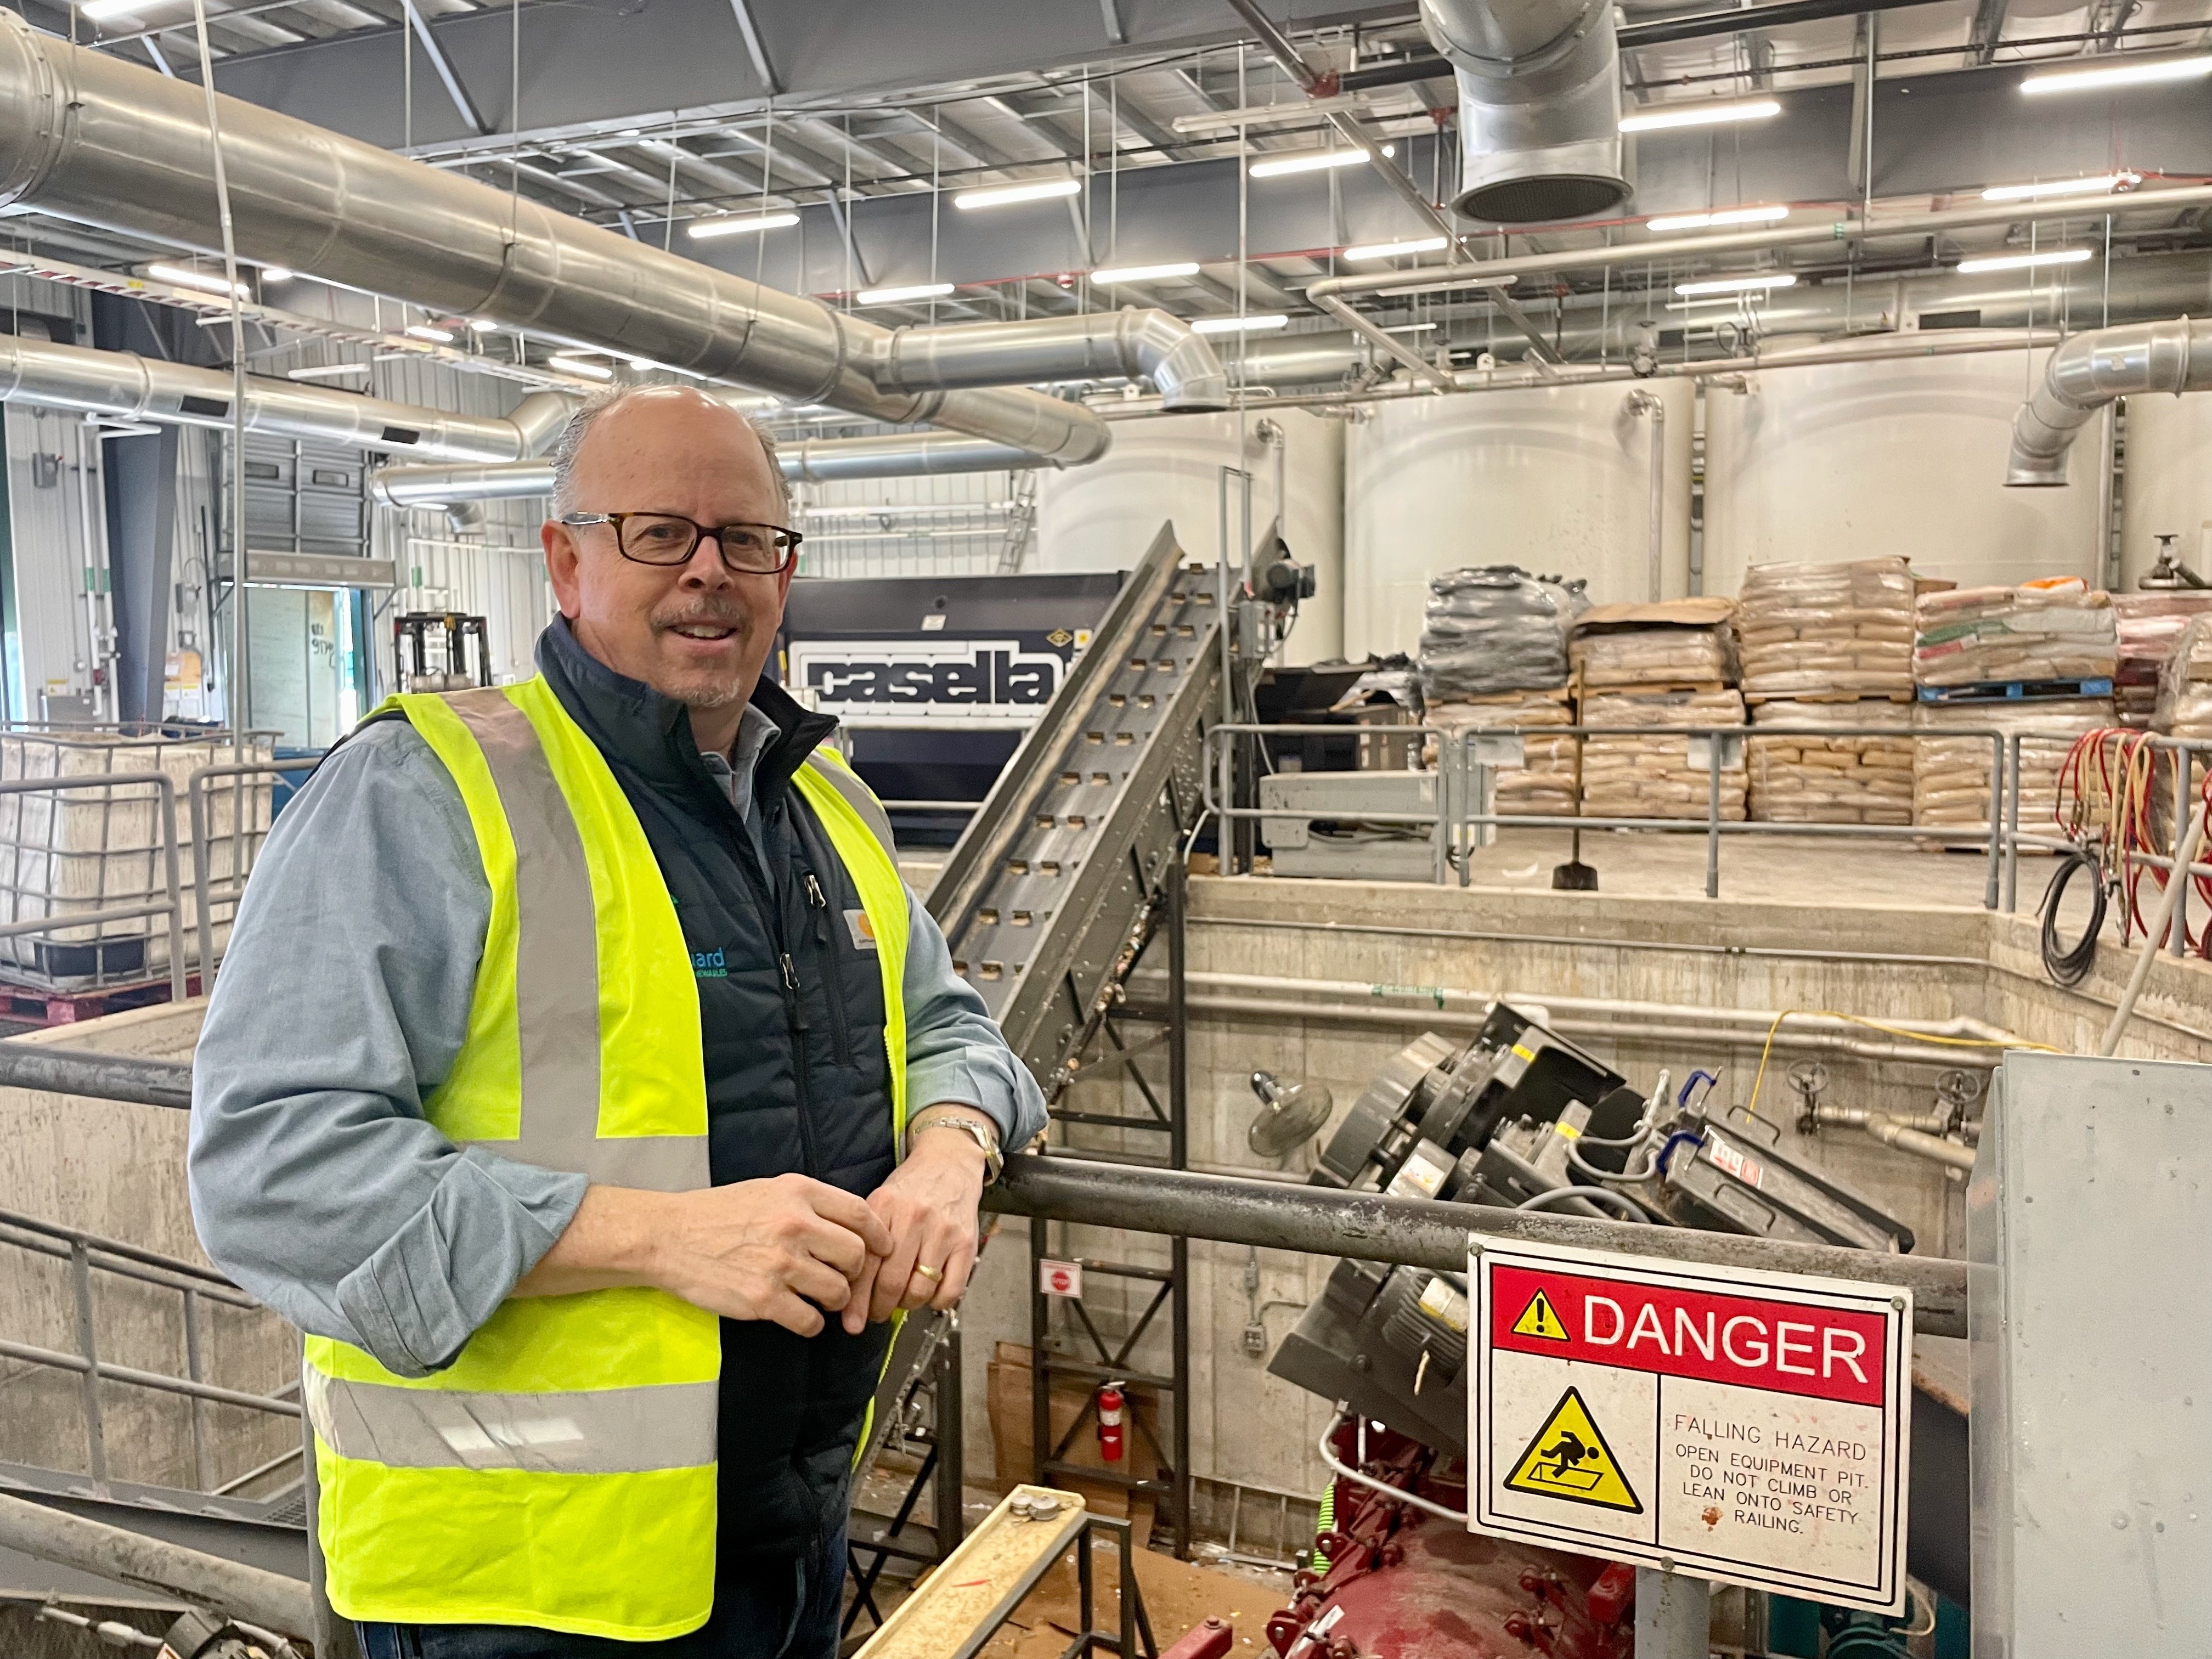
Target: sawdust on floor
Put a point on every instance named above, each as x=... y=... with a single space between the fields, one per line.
x=1177 y=1595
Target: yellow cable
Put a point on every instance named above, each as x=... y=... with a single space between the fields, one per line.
x=1768 y=1049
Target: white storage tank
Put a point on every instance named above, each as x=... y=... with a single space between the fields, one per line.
x=1841 y=461
x=1103 y=516
x=2165 y=485
x=1550 y=478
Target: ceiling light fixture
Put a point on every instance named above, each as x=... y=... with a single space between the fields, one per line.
x=1311 y=161
x=577 y=366
x=1241 y=325
x=899 y=296
x=1007 y=195
x=326 y=371
x=1409 y=328
x=276 y=274
x=1737 y=285
x=642 y=365
x=1144 y=273
x=1742 y=216
x=700 y=230
x=424 y=331
x=481 y=325
x=99 y=11
x=1699 y=114
x=2155 y=72
x=207 y=282
x=2109 y=182
x=1396 y=250
x=2064 y=256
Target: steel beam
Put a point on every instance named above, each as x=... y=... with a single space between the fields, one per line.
x=743 y=11
x=454 y=89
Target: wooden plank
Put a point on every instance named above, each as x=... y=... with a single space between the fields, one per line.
x=953 y=1612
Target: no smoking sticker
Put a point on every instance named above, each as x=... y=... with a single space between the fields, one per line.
x=1744 y=1426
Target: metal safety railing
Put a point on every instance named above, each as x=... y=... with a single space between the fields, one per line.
x=87 y=1253
x=206 y=892
x=169 y=906
x=2189 y=761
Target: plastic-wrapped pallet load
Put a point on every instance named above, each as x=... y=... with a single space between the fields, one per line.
x=1496 y=629
x=2184 y=684
x=2060 y=628
x=1543 y=784
x=1683 y=643
x=1832 y=779
x=1951 y=770
x=2150 y=626
x=1827 y=628
x=1666 y=773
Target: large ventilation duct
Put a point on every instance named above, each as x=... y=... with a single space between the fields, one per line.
x=816 y=460
x=123 y=384
x=85 y=136
x=2088 y=372
x=1539 y=106
x=1128 y=342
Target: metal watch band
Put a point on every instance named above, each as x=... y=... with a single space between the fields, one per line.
x=994 y=1161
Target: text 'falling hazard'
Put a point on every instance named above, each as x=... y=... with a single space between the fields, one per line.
x=1745 y=1426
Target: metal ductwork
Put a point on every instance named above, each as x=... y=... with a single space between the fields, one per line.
x=1128 y=344
x=131 y=387
x=85 y=136
x=816 y=460
x=1539 y=106
x=2087 y=373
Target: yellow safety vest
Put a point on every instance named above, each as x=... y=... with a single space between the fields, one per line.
x=560 y=1474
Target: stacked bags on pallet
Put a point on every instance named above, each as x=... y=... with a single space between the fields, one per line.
x=2059 y=629
x=1494 y=656
x=1681 y=643
x=2184 y=684
x=1543 y=784
x=1951 y=770
x=1666 y=773
x=1827 y=628
x=1832 y=779
x=2150 y=626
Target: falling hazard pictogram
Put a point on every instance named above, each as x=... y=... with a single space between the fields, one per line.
x=1538 y=1319
x=1569 y=1459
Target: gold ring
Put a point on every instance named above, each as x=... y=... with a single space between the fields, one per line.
x=932 y=1274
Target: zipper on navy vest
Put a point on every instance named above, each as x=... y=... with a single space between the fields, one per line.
x=840 y=1034
x=749 y=860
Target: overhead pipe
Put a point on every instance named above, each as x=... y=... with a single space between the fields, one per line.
x=87 y=136
x=127 y=386
x=1151 y=343
x=1539 y=106
x=1642 y=401
x=815 y=460
x=2087 y=373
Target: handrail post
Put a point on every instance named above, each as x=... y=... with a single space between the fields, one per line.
x=201 y=1476
x=179 y=975
x=195 y=800
x=2181 y=775
x=2012 y=776
x=87 y=1343
x=1713 y=742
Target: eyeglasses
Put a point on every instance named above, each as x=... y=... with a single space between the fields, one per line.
x=666 y=538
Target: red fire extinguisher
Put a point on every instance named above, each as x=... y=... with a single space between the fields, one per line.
x=1110 y=1422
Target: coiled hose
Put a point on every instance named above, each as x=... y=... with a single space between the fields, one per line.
x=2069 y=965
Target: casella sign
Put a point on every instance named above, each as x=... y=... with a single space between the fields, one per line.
x=952 y=680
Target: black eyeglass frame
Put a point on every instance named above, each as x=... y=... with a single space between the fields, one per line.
x=788 y=545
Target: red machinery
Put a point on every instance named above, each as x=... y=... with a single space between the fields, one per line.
x=1392 y=1581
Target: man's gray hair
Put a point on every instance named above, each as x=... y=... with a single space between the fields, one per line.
x=578 y=426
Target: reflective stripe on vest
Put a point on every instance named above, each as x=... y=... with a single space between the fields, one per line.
x=560 y=1473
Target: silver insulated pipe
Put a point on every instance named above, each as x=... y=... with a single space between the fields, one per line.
x=1129 y=343
x=84 y=136
x=1539 y=106
x=2086 y=372
x=129 y=386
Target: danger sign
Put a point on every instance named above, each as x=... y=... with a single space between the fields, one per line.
x=1746 y=1427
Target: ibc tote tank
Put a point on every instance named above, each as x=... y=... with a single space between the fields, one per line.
x=1841 y=461
x=1103 y=516
x=2166 y=489
x=1550 y=478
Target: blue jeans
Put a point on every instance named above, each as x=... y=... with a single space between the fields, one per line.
x=780 y=1610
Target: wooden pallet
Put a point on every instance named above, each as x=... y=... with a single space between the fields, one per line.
x=1755 y=698
x=2016 y=691
x=1652 y=688
x=45 y=1006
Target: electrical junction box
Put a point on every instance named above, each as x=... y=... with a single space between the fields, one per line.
x=1322 y=831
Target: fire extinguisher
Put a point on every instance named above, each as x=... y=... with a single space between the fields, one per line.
x=1110 y=1422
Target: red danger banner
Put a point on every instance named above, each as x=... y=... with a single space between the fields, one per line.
x=1748 y=1341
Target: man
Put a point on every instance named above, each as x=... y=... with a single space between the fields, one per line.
x=553 y=1085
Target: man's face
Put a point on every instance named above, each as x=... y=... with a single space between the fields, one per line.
x=696 y=632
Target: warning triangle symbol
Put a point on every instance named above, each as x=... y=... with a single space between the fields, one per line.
x=1569 y=1459
x=1537 y=1319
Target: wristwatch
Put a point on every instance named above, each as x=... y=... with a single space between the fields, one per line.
x=994 y=1161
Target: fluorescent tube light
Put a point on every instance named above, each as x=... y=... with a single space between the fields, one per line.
x=1144 y=273
x=2109 y=182
x=700 y=230
x=643 y=365
x=899 y=296
x=1736 y=285
x=275 y=274
x=326 y=371
x=99 y=11
x=1742 y=216
x=1409 y=328
x=1393 y=250
x=206 y=282
x=590 y=371
x=2064 y=256
x=481 y=325
x=1311 y=161
x=2154 y=73
x=1006 y=195
x=1699 y=114
x=1241 y=325
x=424 y=331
